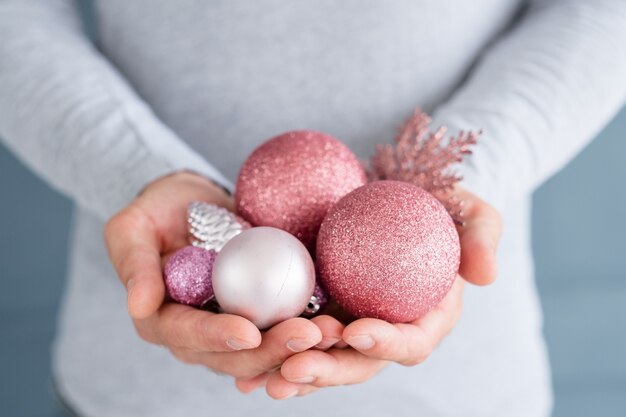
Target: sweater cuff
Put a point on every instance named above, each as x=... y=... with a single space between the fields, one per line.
x=150 y=150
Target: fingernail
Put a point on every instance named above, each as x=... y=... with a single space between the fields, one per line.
x=291 y=394
x=327 y=342
x=299 y=345
x=362 y=342
x=238 y=344
x=302 y=380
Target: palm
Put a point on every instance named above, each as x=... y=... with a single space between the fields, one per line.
x=165 y=207
x=138 y=239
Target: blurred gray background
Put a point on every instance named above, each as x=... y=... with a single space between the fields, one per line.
x=579 y=226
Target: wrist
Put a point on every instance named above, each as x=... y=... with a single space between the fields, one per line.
x=195 y=179
x=189 y=184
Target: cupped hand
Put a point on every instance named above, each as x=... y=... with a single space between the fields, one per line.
x=374 y=343
x=138 y=239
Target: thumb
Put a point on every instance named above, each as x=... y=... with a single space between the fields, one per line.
x=480 y=236
x=133 y=247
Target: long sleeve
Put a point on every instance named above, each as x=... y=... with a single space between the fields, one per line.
x=68 y=114
x=540 y=93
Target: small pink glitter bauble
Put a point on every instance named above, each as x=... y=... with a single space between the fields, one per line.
x=188 y=275
x=388 y=250
x=291 y=181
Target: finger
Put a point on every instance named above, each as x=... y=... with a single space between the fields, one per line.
x=306 y=389
x=279 y=388
x=247 y=385
x=341 y=345
x=331 y=368
x=480 y=235
x=133 y=247
x=181 y=326
x=407 y=343
x=279 y=343
x=186 y=356
x=332 y=331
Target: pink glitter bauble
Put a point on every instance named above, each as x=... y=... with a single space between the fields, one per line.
x=291 y=181
x=188 y=275
x=388 y=250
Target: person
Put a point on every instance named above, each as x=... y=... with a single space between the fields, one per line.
x=176 y=94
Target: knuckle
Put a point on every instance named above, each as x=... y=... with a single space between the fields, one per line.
x=111 y=226
x=254 y=369
x=212 y=370
x=372 y=373
x=272 y=362
x=131 y=216
x=273 y=392
x=180 y=355
x=252 y=366
x=145 y=335
x=203 y=333
x=118 y=223
x=180 y=330
x=273 y=395
x=125 y=265
x=422 y=356
x=497 y=216
x=233 y=366
x=416 y=357
x=458 y=311
x=215 y=370
x=243 y=374
x=416 y=360
x=408 y=362
x=174 y=337
x=235 y=369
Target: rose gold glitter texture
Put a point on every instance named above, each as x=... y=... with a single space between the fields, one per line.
x=424 y=159
x=388 y=250
x=291 y=181
x=188 y=275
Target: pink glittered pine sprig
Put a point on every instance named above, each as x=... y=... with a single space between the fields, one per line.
x=424 y=158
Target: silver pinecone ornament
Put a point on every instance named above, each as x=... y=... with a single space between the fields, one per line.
x=211 y=226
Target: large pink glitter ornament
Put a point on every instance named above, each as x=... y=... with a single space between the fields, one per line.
x=388 y=250
x=188 y=275
x=291 y=181
x=265 y=275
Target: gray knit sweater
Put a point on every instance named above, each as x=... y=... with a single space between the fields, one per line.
x=194 y=84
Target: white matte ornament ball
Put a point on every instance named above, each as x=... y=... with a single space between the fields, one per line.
x=265 y=275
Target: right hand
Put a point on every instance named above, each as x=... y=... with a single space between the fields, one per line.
x=141 y=236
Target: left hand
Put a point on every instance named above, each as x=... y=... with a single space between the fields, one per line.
x=374 y=343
